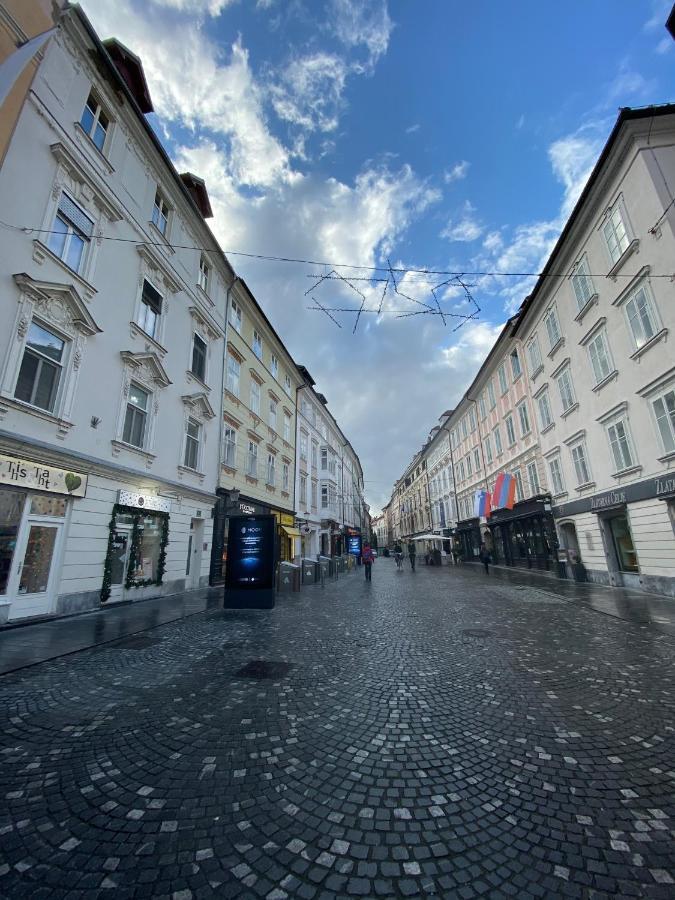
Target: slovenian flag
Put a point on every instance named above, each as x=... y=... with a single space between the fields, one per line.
x=481 y=504
x=504 y=493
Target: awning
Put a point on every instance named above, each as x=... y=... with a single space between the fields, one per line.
x=429 y=537
x=291 y=532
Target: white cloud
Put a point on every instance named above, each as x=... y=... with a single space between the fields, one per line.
x=457 y=172
x=520 y=122
x=468 y=353
x=200 y=7
x=466 y=229
x=309 y=91
x=629 y=83
x=660 y=11
x=361 y=23
x=413 y=128
x=493 y=241
x=573 y=158
x=665 y=45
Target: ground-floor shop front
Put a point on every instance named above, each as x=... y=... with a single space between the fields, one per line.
x=623 y=537
x=74 y=536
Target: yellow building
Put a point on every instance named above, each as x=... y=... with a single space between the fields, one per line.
x=258 y=436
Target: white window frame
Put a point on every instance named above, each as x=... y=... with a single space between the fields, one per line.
x=557 y=475
x=233 y=375
x=72 y=230
x=476 y=460
x=274 y=365
x=285 y=476
x=499 y=447
x=273 y=413
x=287 y=427
x=597 y=356
x=254 y=397
x=60 y=365
x=520 y=492
x=552 y=324
x=271 y=476
x=144 y=311
x=303 y=445
x=257 y=345
x=252 y=459
x=668 y=418
x=204 y=377
x=492 y=400
x=204 y=275
x=481 y=405
x=533 y=484
x=469 y=465
x=230 y=447
x=503 y=380
x=96 y=118
x=235 y=316
x=544 y=403
x=582 y=283
x=640 y=340
x=621 y=464
x=488 y=449
x=287 y=384
x=161 y=213
x=146 y=416
x=534 y=354
x=187 y=437
x=524 y=419
x=510 y=432
x=566 y=375
x=314 y=494
x=472 y=419
x=620 y=235
x=576 y=462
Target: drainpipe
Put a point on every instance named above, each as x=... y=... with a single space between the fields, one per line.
x=219 y=508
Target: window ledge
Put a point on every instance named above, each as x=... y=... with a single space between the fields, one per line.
x=137 y=331
x=186 y=470
x=231 y=470
x=560 y=495
x=251 y=479
x=569 y=410
x=64 y=425
x=667 y=457
x=535 y=374
x=99 y=155
x=631 y=470
x=554 y=349
x=122 y=445
x=41 y=252
x=163 y=239
x=592 y=300
x=548 y=428
x=190 y=376
x=587 y=486
x=659 y=336
x=515 y=378
x=232 y=397
x=601 y=384
x=632 y=248
x=205 y=296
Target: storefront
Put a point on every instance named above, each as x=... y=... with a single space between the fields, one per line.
x=288 y=535
x=523 y=536
x=469 y=538
x=35 y=505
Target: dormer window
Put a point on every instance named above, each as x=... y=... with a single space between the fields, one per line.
x=95 y=122
x=160 y=213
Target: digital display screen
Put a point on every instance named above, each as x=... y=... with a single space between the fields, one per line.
x=354 y=544
x=250 y=552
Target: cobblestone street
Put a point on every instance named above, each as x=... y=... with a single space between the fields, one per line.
x=436 y=733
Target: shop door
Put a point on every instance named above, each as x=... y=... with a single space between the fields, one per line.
x=32 y=578
x=121 y=544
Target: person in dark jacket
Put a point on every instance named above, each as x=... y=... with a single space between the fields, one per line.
x=368 y=558
x=412 y=553
x=484 y=555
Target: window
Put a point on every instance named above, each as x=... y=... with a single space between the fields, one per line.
x=324 y=458
x=315 y=454
x=642 y=319
x=94 y=121
x=230 y=448
x=324 y=496
x=460 y=470
x=257 y=344
x=252 y=461
x=535 y=355
x=620 y=445
x=233 y=373
x=285 y=473
x=498 y=440
x=616 y=234
x=518 y=478
x=491 y=394
x=271 y=469
x=287 y=384
x=481 y=406
x=150 y=309
x=303 y=445
x=532 y=478
x=314 y=495
x=273 y=413
x=71 y=232
x=191 y=444
x=254 y=401
x=515 y=364
x=160 y=213
x=204 y=271
x=580 y=464
x=510 y=431
x=664 y=410
x=556 y=475
x=488 y=449
x=566 y=390
x=287 y=428
x=41 y=368
x=524 y=418
x=465 y=428
x=545 y=416
x=582 y=284
x=136 y=417
x=274 y=365
x=469 y=467
x=199 y=357
x=476 y=459
x=552 y=327
x=598 y=350
x=235 y=316
x=303 y=490
x=503 y=383
x=472 y=419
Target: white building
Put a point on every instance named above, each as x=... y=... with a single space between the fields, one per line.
x=329 y=478
x=440 y=477
x=598 y=327
x=112 y=343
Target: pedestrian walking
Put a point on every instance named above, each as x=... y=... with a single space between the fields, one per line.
x=484 y=555
x=412 y=553
x=398 y=555
x=368 y=558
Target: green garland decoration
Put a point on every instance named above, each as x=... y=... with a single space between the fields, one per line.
x=136 y=515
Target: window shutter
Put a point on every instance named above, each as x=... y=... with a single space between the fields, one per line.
x=76 y=216
x=152 y=297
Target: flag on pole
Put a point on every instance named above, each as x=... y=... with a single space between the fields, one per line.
x=477 y=500
x=497 y=491
x=511 y=493
x=14 y=65
x=505 y=491
x=488 y=505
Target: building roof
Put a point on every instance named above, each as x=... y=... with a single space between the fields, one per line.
x=131 y=69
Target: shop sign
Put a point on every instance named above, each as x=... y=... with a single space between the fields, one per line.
x=144 y=501
x=612 y=498
x=651 y=488
x=38 y=477
x=665 y=486
x=247 y=509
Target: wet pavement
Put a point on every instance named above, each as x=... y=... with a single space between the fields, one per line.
x=430 y=734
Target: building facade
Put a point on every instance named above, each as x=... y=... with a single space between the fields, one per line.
x=603 y=378
x=112 y=342
x=257 y=454
x=413 y=494
x=441 y=479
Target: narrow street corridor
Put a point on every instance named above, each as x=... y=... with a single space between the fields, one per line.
x=430 y=734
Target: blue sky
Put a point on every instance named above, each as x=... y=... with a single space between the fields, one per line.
x=437 y=134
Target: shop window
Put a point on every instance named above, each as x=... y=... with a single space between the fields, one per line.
x=136 y=417
x=41 y=368
x=150 y=309
x=47 y=505
x=95 y=122
x=37 y=559
x=233 y=375
x=192 y=436
x=664 y=410
x=147 y=560
x=160 y=213
x=198 y=366
x=11 y=510
x=71 y=233
x=626 y=555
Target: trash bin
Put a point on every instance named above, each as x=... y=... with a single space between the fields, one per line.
x=309 y=571
x=326 y=564
x=289 y=578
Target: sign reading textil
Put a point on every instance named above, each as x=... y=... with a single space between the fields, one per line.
x=144 y=501
x=35 y=476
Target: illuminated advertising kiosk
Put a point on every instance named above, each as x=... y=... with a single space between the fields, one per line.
x=251 y=558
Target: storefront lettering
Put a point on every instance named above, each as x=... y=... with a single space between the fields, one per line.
x=246 y=509
x=613 y=498
x=664 y=486
x=36 y=476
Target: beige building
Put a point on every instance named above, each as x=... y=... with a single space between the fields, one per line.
x=413 y=496
x=257 y=472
